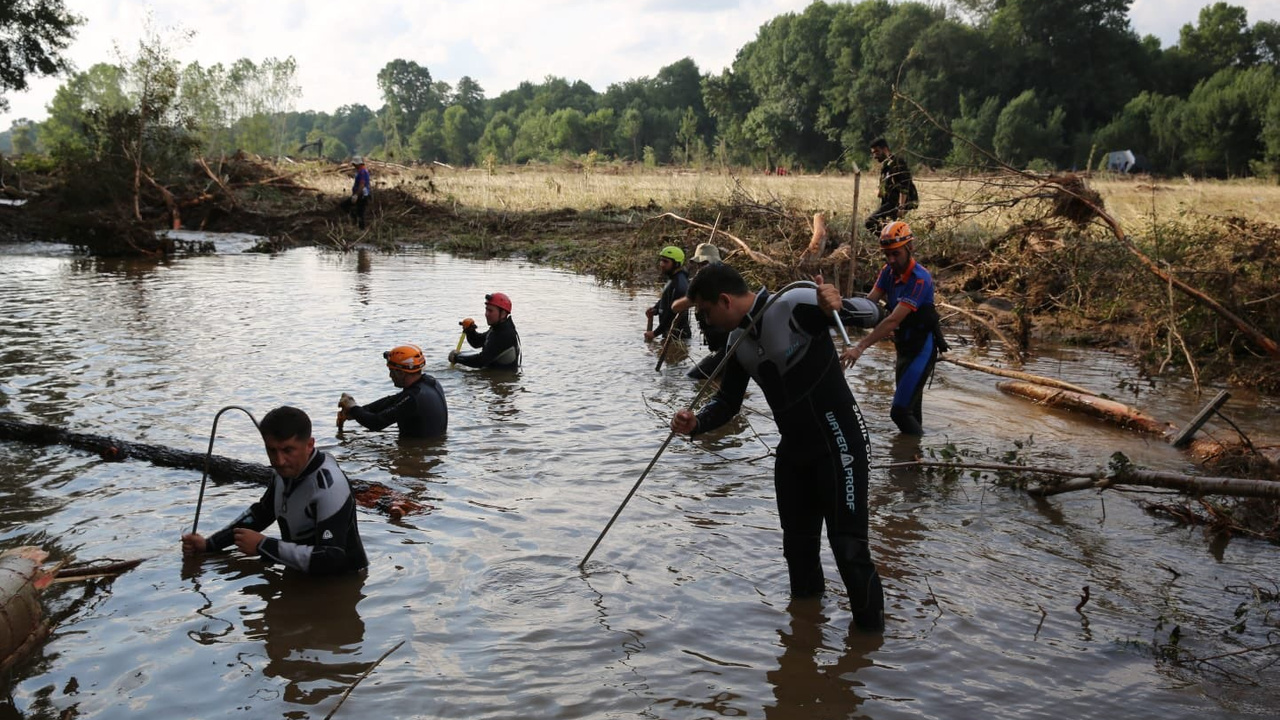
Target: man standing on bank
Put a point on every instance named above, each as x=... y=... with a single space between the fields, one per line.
x=309 y=497
x=670 y=262
x=361 y=190
x=897 y=190
x=418 y=410
x=499 y=345
x=907 y=288
x=822 y=459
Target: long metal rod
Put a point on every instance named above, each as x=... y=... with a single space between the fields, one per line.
x=702 y=391
x=204 y=477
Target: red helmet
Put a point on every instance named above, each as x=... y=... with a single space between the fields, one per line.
x=405 y=358
x=895 y=235
x=498 y=300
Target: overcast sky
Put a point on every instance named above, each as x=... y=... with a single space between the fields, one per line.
x=339 y=47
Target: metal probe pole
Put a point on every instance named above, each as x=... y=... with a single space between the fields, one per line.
x=204 y=477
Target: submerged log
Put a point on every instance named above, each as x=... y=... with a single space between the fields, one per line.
x=220 y=469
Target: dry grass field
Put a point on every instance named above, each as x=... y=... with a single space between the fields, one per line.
x=946 y=201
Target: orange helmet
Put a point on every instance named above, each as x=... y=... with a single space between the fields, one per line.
x=895 y=235
x=405 y=358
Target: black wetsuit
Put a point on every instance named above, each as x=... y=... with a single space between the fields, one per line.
x=677 y=286
x=317 y=516
x=897 y=194
x=419 y=410
x=499 y=346
x=822 y=466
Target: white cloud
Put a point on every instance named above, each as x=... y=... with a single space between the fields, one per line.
x=340 y=46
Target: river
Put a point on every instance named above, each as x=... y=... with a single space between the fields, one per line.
x=683 y=611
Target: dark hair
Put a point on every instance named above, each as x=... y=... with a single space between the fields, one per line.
x=285 y=423
x=880 y=142
x=713 y=280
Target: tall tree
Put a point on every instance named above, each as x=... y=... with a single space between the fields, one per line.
x=33 y=36
x=1220 y=38
x=408 y=91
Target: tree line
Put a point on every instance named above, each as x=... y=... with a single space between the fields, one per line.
x=1044 y=84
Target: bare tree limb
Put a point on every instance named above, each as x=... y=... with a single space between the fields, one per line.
x=756 y=256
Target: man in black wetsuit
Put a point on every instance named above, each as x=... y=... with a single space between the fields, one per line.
x=822 y=466
x=309 y=497
x=499 y=345
x=670 y=260
x=419 y=409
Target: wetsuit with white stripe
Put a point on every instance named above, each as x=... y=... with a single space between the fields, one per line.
x=317 y=516
x=418 y=410
x=917 y=339
x=499 y=346
x=822 y=466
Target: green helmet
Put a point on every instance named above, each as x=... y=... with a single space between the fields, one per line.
x=672 y=253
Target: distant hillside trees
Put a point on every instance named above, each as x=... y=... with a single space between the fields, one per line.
x=1050 y=84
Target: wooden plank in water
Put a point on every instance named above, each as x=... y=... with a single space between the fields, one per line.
x=1184 y=436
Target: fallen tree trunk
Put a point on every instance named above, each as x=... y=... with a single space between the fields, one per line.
x=1093 y=406
x=1124 y=475
x=221 y=469
x=1025 y=377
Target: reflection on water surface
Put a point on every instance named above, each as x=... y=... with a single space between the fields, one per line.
x=684 y=611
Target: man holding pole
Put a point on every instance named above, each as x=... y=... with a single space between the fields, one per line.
x=310 y=498
x=912 y=319
x=419 y=410
x=499 y=345
x=784 y=344
x=670 y=322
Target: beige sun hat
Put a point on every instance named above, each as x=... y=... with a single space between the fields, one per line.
x=706 y=252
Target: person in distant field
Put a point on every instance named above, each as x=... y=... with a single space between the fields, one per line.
x=361 y=190
x=308 y=496
x=418 y=410
x=499 y=345
x=670 y=262
x=897 y=190
x=822 y=466
x=715 y=339
x=907 y=289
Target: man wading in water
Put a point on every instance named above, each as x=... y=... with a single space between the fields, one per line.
x=308 y=495
x=822 y=466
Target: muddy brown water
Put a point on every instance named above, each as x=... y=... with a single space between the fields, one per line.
x=683 y=612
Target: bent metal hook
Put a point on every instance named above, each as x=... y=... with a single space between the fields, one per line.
x=208 y=455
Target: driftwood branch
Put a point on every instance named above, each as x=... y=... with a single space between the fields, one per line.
x=169 y=201
x=1012 y=349
x=1103 y=479
x=758 y=257
x=1016 y=375
x=95 y=569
